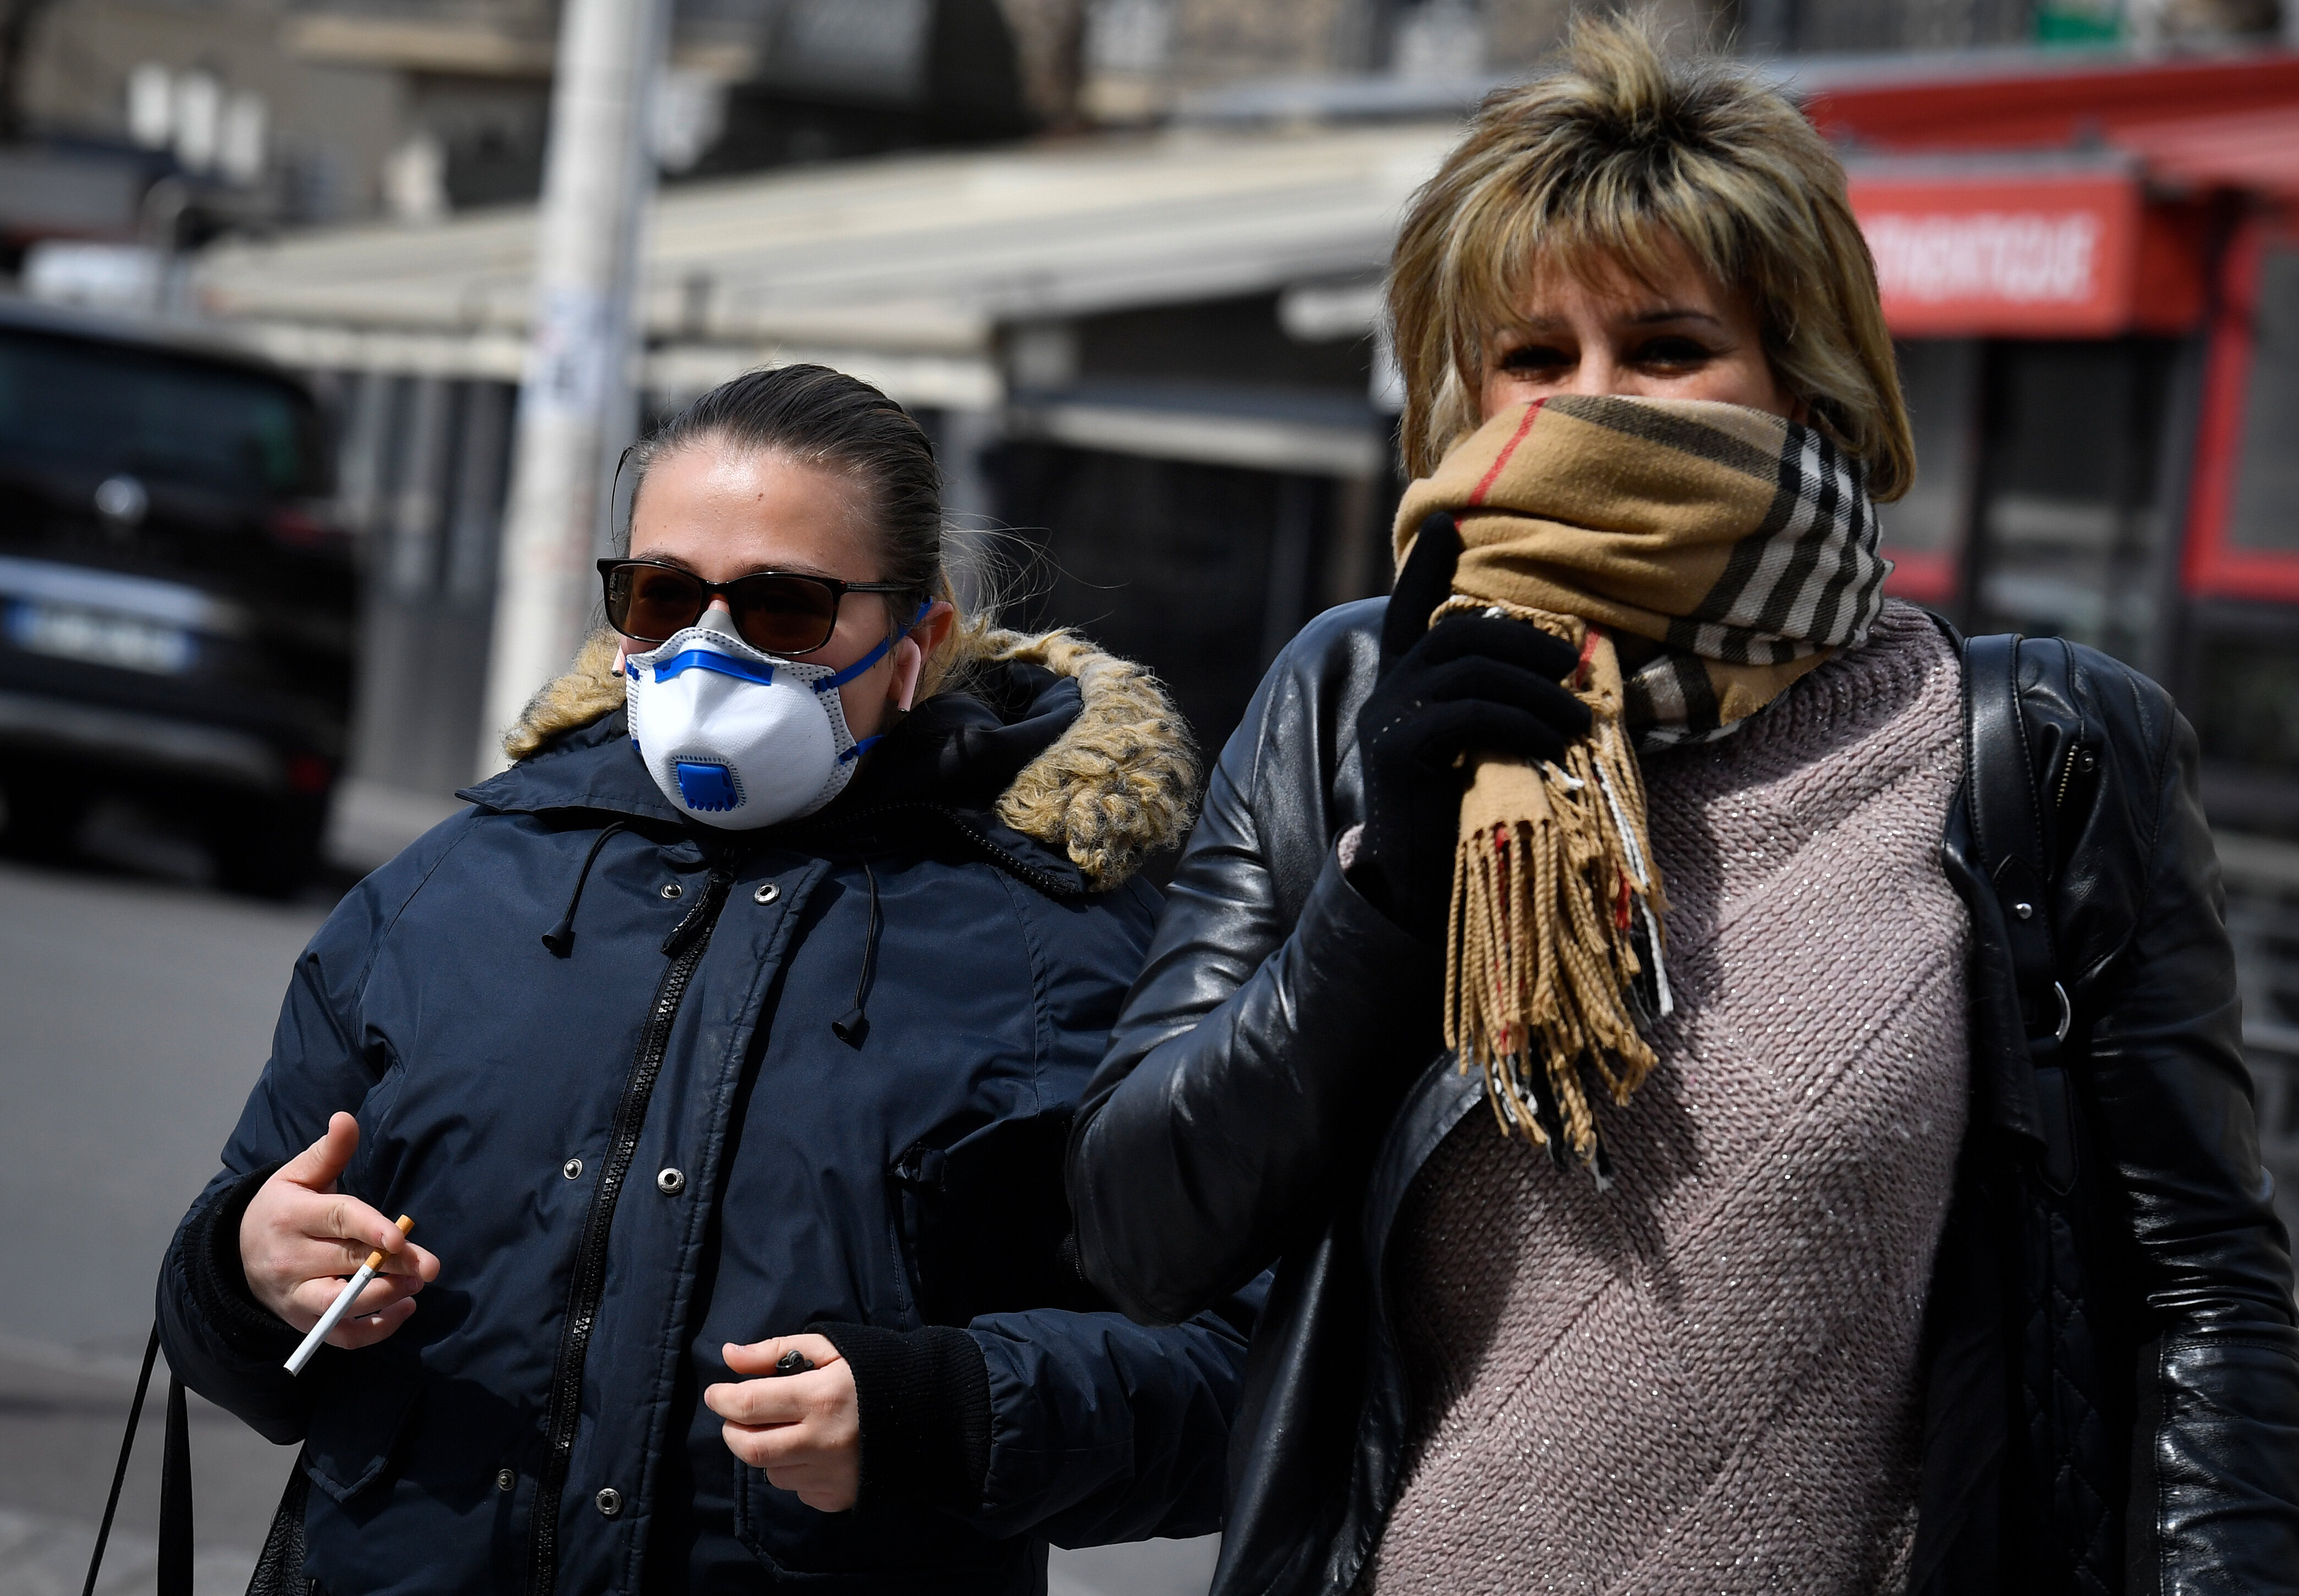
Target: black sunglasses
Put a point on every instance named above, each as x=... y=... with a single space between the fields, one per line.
x=779 y=612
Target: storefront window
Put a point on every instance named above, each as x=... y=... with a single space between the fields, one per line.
x=2247 y=712
x=1924 y=531
x=2070 y=530
x=2240 y=685
x=1201 y=572
x=2265 y=518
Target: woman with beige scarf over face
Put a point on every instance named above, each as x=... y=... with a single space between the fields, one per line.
x=1591 y=988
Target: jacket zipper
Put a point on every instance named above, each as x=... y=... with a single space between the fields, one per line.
x=2080 y=761
x=686 y=946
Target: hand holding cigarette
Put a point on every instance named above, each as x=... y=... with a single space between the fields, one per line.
x=342 y=1306
x=299 y=1238
x=798 y=1421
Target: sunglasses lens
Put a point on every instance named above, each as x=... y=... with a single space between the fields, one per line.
x=783 y=615
x=651 y=602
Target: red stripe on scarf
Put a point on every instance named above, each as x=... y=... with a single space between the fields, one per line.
x=1502 y=461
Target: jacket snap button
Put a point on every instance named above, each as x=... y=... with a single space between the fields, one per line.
x=768 y=893
x=670 y=1183
x=571 y=1167
x=672 y=889
x=609 y=1500
x=505 y=1479
x=2025 y=911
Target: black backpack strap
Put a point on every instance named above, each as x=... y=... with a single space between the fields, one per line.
x=2007 y=825
x=2001 y=792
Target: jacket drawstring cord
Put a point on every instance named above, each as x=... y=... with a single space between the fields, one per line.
x=560 y=938
x=852 y=1026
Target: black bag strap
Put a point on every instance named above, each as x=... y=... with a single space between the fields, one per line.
x=120 y=1471
x=174 y=1570
x=2007 y=827
x=2008 y=830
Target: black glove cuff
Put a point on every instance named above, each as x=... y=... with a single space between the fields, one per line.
x=219 y=1280
x=923 y=1397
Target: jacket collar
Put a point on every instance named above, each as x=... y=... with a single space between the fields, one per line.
x=1066 y=764
x=954 y=757
x=591 y=767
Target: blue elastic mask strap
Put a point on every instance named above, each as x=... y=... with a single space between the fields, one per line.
x=861 y=747
x=856 y=669
x=873 y=656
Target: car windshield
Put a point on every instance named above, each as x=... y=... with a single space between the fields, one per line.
x=81 y=402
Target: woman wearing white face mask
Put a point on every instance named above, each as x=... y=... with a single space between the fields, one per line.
x=724 y=1050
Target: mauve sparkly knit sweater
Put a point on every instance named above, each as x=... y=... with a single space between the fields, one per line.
x=1703 y=1380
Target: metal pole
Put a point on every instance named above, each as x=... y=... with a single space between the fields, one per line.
x=575 y=403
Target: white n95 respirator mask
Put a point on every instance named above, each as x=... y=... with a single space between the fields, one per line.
x=734 y=737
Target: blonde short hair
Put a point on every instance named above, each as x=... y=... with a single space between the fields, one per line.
x=1609 y=157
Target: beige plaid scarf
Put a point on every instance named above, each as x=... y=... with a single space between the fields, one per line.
x=1741 y=543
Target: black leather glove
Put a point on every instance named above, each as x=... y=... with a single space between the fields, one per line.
x=1471 y=686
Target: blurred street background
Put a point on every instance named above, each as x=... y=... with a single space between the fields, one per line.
x=323 y=321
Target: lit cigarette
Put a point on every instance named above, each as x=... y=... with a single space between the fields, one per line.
x=343 y=1303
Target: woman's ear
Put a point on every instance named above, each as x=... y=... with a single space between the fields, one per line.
x=917 y=647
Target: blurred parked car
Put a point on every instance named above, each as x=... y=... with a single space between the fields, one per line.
x=177 y=607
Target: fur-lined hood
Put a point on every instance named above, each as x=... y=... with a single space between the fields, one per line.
x=1118 y=784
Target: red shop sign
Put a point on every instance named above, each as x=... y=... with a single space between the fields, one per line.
x=2045 y=257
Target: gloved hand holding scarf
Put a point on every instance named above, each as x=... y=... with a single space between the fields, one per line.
x=1744 y=546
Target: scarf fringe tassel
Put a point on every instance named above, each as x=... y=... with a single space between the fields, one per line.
x=1556 y=962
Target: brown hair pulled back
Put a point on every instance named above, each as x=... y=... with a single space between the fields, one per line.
x=825 y=418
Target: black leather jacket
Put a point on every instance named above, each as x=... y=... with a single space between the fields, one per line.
x=2111 y=1375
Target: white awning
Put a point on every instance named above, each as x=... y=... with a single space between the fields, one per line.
x=903 y=269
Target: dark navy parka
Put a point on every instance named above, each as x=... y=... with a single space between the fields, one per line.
x=630 y=1155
